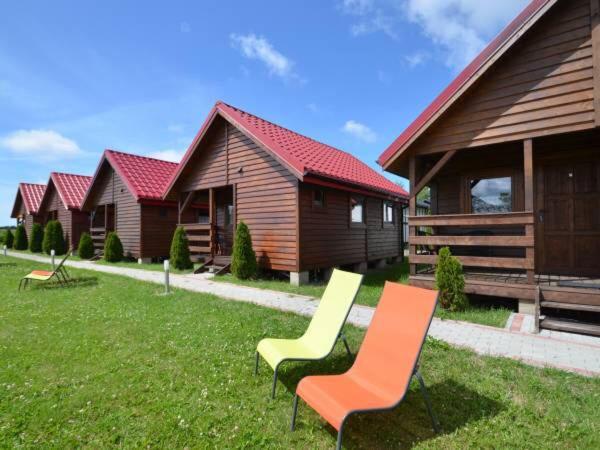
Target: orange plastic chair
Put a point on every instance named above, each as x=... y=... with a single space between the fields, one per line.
x=384 y=366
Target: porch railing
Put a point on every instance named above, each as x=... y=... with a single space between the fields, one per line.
x=200 y=237
x=506 y=230
x=98 y=235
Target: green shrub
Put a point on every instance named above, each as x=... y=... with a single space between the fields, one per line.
x=86 y=246
x=36 y=239
x=450 y=281
x=113 y=249
x=54 y=238
x=243 y=264
x=180 y=251
x=20 y=242
x=9 y=239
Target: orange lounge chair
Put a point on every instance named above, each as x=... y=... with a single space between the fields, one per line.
x=384 y=366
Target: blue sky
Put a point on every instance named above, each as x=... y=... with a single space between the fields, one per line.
x=77 y=77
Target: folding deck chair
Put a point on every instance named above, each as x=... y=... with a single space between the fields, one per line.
x=60 y=273
x=384 y=366
x=324 y=330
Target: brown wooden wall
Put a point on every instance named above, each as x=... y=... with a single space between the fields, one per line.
x=30 y=219
x=327 y=237
x=73 y=223
x=110 y=189
x=265 y=191
x=158 y=223
x=543 y=85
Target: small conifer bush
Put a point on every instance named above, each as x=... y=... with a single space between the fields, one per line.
x=86 y=246
x=54 y=238
x=20 y=242
x=113 y=249
x=180 y=250
x=9 y=239
x=450 y=281
x=36 y=238
x=243 y=263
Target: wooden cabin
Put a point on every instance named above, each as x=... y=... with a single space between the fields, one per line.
x=309 y=206
x=62 y=201
x=511 y=153
x=27 y=204
x=125 y=196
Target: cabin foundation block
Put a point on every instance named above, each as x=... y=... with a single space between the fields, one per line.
x=361 y=267
x=299 y=278
x=526 y=307
x=381 y=264
x=144 y=260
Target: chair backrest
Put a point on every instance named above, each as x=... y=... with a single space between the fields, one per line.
x=334 y=307
x=62 y=261
x=392 y=345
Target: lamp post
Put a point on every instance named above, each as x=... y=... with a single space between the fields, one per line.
x=166 y=266
x=52 y=255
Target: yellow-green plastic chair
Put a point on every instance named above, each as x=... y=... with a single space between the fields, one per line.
x=323 y=331
x=60 y=273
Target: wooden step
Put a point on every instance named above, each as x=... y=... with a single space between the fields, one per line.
x=197 y=249
x=570 y=306
x=222 y=260
x=550 y=323
x=197 y=238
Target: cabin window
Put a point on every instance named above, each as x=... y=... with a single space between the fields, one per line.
x=388 y=212
x=318 y=198
x=203 y=216
x=228 y=215
x=357 y=210
x=491 y=195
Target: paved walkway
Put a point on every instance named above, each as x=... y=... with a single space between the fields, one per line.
x=573 y=353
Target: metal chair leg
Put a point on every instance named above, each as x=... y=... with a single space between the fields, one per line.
x=256 y=366
x=21 y=283
x=346 y=345
x=338 y=445
x=274 y=383
x=294 y=413
x=434 y=421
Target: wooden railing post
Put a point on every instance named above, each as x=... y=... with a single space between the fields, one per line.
x=528 y=179
x=211 y=216
x=412 y=211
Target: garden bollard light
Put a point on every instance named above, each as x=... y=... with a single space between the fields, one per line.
x=5 y=250
x=52 y=255
x=166 y=265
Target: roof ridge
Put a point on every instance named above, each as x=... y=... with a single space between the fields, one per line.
x=32 y=184
x=70 y=174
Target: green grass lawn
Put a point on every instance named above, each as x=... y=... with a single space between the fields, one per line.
x=109 y=362
x=371 y=290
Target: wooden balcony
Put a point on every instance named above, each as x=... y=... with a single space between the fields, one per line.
x=510 y=230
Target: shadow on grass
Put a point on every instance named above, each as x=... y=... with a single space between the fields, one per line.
x=7 y=264
x=454 y=405
x=75 y=282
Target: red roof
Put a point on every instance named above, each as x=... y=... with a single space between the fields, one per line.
x=146 y=178
x=462 y=79
x=32 y=196
x=71 y=188
x=301 y=154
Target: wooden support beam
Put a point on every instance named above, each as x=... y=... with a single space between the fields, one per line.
x=212 y=218
x=432 y=172
x=412 y=211
x=528 y=179
x=595 y=9
x=186 y=203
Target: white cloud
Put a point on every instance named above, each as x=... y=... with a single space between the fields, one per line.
x=168 y=155
x=416 y=59
x=461 y=27
x=43 y=144
x=259 y=48
x=357 y=7
x=359 y=131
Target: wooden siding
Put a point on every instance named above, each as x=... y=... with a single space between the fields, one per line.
x=110 y=189
x=30 y=219
x=327 y=237
x=158 y=224
x=266 y=192
x=73 y=222
x=543 y=86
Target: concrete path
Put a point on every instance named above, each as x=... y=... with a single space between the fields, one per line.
x=580 y=354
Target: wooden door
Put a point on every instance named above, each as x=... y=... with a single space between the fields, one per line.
x=569 y=219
